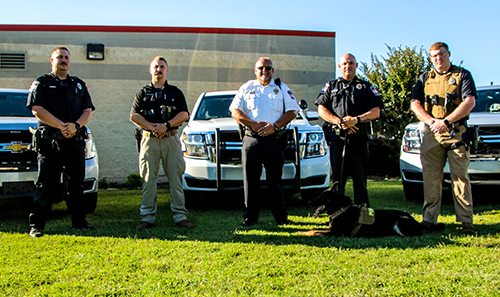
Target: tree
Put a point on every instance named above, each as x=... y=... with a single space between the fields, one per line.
x=394 y=78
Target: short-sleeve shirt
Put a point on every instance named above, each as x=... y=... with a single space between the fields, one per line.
x=64 y=99
x=264 y=103
x=354 y=97
x=148 y=102
x=468 y=85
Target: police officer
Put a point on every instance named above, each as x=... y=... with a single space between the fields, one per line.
x=159 y=109
x=264 y=108
x=443 y=99
x=63 y=106
x=347 y=105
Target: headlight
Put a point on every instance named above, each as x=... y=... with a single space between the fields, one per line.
x=315 y=145
x=90 y=150
x=412 y=141
x=195 y=146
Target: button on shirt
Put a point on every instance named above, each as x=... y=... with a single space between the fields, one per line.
x=264 y=103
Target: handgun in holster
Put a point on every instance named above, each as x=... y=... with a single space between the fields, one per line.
x=138 y=138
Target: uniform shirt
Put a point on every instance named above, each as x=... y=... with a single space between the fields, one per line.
x=148 y=102
x=353 y=98
x=65 y=99
x=468 y=85
x=264 y=103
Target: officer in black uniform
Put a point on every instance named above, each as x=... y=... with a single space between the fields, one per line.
x=347 y=105
x=63 y=106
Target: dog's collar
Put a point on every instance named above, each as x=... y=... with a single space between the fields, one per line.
x=339 y=212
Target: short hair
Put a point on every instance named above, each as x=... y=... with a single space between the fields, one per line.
x=60 y=48
x=438 y=45
x=159 y=58
x=265 y=59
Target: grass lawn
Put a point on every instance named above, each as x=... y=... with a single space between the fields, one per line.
x=221 y=258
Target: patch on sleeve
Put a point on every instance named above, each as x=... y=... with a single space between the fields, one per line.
x=291 y=94
x=327 y=85
x=34 y=84
x=375 y=92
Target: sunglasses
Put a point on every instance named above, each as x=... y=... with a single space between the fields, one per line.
x=268 y=68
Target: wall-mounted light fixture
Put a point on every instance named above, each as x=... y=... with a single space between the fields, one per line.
x=95 y=51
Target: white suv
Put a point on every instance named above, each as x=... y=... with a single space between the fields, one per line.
x=212 y=150
x=18 y=163
x=484 y=168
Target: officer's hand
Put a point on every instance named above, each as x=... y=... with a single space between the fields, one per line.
x=68 y=130
x=353 y=130
x=439 y=126
x=159 y=130
x=348 y=122
x=266 y=130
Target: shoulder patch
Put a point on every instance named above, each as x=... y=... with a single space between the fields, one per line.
x=375 y=92
x=291 y=94
x=34 y=84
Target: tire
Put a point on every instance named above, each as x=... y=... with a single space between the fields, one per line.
x=90 y=202
x=414 y=191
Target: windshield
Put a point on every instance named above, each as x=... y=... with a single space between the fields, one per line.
x=214 y=107
x=14 y=104
x=487 y=100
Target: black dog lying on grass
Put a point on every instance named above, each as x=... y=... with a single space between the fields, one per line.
x=348 y=219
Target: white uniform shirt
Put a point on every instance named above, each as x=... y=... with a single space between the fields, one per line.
x=264 y=103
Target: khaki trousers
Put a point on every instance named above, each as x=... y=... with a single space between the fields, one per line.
x=433 y=155
x=168 y=151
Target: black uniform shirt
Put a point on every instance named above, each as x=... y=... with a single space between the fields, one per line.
x=468 y=85
x=148 y=102
x=354 y=97
x=64 y=99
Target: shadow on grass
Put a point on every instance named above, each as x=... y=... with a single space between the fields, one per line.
x=218 y=219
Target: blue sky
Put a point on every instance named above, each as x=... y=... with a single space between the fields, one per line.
x=363 y=27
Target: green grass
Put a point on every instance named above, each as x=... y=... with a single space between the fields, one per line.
x=220 y=258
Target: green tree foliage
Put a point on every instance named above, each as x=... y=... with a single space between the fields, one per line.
x=394 y=77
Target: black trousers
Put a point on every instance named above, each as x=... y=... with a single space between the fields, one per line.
x=355 y=164
x=51 y=161
x=269 y=152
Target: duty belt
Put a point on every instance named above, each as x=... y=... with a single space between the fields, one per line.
x=150 y=134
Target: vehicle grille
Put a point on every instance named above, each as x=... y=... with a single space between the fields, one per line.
x=18 y=161
x=230 y=146
x=489 y=144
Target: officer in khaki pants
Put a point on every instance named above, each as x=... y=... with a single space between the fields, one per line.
x=159 y=109
x=443 y=99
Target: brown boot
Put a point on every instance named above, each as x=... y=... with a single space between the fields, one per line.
x=468 y=228
x=143 y=225
x=185 y=224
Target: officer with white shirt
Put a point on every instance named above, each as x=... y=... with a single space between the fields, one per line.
x=264 y=107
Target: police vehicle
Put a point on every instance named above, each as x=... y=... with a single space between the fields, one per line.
x=484 y=168
x=18 y=162
x=211 y=146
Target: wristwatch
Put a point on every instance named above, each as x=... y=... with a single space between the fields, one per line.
x=275 y=127
x=359 y=120
x=446 y=122
x=77 y=126
x=168 y=125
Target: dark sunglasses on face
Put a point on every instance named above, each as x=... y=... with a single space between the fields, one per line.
x=268 y=68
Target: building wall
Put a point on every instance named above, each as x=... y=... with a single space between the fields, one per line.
x=200 y=60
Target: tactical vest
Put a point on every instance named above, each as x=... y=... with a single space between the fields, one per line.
x=443 y=92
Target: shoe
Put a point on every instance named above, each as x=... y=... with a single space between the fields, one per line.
x=468 y=229
x=429 y=227
x=283 y=222
x=144 y=225
x=36 y=232
x=185 y=224
x=84 y=226
x=248 y=223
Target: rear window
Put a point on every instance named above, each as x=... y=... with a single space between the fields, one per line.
x=14 y=105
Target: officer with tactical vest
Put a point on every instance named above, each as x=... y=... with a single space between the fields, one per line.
x=159 y=109
x=347 y=105
x=443 y=99
x=63 y=106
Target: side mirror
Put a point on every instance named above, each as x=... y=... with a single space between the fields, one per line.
x=303 y=104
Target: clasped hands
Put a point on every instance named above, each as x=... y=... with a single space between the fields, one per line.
x=348 y=123
x=263 y=128
x=159 y=130
x=68 y=130
x=439 y=126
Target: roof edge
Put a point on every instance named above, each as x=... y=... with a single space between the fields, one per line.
x=149 y=29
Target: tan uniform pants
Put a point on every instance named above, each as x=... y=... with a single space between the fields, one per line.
x=168 y=151
x=433 y=155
